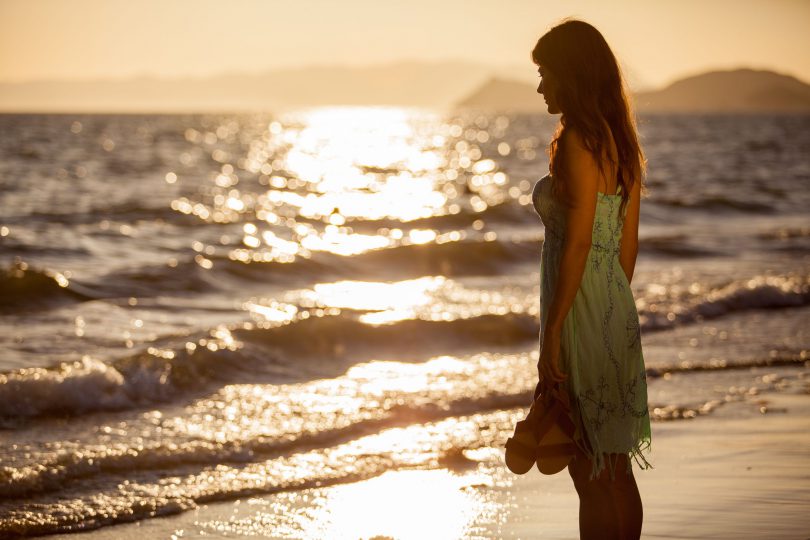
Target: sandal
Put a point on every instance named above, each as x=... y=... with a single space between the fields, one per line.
x=555 y=432
x=545 y=436
x=521 y=448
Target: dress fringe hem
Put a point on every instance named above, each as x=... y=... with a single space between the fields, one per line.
x=598 y=459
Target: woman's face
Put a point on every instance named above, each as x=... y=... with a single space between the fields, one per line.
x=548 y=89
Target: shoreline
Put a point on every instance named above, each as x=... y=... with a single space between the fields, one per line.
x=736 y=473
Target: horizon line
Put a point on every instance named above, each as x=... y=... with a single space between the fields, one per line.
x=304 y=67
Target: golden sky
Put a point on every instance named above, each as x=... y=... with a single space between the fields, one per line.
x=656 y=41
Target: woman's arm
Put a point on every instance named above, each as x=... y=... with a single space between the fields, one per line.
x=582 y=185
x=629 y=244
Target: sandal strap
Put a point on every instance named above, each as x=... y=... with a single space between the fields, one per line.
x=514 y=446
x=557 y=413
x=566 y=424
x=548 y=420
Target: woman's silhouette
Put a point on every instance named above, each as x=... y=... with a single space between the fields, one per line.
x=590 y=337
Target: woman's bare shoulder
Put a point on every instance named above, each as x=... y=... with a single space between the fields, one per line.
x=573 y=135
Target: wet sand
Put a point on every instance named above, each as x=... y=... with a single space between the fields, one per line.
x=746 y=476
x=737 y=473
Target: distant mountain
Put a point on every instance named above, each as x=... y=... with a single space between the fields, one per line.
x=449 y=84
x=409 y=83
x=498 y=93
x=739 y=90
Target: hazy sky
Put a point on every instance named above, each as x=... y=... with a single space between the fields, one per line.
x=656 y=41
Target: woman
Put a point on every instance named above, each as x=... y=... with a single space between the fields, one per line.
x=589 y=204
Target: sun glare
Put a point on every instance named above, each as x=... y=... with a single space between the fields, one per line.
x=398 y=505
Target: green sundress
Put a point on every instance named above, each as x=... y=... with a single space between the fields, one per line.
x=601 y=337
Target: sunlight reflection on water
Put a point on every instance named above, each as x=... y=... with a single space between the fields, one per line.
x=409 y=504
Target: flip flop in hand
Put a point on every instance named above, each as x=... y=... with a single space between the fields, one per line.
x=545 y=437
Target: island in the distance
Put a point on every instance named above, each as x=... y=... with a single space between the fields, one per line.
x=446 y=85
x=738 y=91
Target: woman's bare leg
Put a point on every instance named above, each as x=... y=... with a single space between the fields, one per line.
x=628 y=501
x=598 y=513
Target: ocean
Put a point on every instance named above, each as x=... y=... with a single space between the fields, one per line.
x=198 y=308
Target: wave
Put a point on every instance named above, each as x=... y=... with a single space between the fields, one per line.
x=325 y=346
x=467 y=257
x=780 y=360
x=57 y=470
x=784 y=233
x=456 y=258
x=90 y=385
x=54 y=473
x=792 y=240
x=506 y=212
x=759 y=292
x=22 y=288
x=675 y=246
x=344 y=336
x=717 y=203
x=133 y=494
x=461 y=258
x=316 y=347
x=185 y=276
x=128 y=212
x=16 y=249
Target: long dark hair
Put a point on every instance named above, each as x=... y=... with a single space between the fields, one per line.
x=592 y=96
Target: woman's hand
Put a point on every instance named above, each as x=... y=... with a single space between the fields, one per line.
x=548 y=367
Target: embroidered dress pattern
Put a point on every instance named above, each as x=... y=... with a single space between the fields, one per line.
x=601 y=336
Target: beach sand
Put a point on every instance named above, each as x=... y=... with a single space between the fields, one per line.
x=741 y=472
